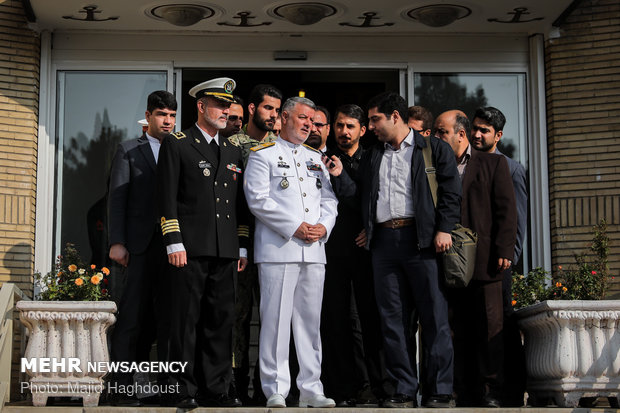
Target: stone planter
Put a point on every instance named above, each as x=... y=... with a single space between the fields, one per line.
x=68 y=331
x=572 y=350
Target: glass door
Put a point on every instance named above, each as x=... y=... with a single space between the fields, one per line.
x=96 y=111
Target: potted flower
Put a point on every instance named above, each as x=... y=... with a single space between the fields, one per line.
x=67 y=346
x=571 y=333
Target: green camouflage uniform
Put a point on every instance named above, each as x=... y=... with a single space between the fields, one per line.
x=247 y=281
x=242 y=140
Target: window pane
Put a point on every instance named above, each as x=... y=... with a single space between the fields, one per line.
x=97 y=110
x=439 y=92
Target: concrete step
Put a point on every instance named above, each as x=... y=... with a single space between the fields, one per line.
x=22 y=408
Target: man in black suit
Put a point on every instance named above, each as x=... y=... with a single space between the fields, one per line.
x=405 y=232
x=352 y=377
x=489 y=209
x=136 y=242
x=201 y=202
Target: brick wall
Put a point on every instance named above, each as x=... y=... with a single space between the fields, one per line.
x=19 y=93
x=583 y=114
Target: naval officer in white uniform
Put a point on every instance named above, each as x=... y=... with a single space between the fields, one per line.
x=287 y=188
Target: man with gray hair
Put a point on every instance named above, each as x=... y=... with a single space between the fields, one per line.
x=288 y=190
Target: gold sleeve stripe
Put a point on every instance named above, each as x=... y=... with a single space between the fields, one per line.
x=243 y=231
x=168 y=231
x=170 y=225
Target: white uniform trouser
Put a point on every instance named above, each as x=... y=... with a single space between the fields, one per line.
x=290 y=291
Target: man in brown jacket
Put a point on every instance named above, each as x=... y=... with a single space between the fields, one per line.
x=489 y=208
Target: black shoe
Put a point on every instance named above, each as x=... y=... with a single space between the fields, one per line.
x=153 y=400
x=292 y=400
x=187 y=403
x=439 y=401
x=400 y=401
x=125 y=401
x=221 y=400
x=366 y=398
x=346 y=403
x=490 y=402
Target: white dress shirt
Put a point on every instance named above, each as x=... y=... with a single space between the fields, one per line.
x=155 y=145
x=395 y=182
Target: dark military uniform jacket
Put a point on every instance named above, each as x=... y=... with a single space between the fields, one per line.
x=200 y=197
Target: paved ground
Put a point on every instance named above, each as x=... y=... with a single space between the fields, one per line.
x=107 y=409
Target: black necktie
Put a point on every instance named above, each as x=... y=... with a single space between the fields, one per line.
x=215 y=147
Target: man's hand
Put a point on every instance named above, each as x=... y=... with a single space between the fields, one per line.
x=302 y=232
x=316 y=232
x=119 y=253
x=443 y=242
x=361 y=239
x=333 y=164
x=178 y=259
x=242 y=263
x=503 y=264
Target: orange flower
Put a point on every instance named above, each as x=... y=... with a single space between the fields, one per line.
x=95 y=279
x=79 y=281
x=558 y=284
x=564 y=289
x=72 y=268
x=105 y=270
x=92 y=266
x=559 y=267
x=514 y=302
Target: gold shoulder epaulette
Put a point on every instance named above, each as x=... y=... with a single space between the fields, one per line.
x=311 y=148
x=179 y=135
x=262 y=146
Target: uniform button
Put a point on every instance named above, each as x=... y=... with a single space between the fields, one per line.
x=284 y=174
x=217 y=215
x=227 y=201
x=225 y=184
x=298 y=164
x=301 y=179
x=304 y=194
x=306 y=209
x=295 y=151
x=217 y=200
x=227 y=216
x=215 y=183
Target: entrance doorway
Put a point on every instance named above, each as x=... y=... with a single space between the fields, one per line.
x=325 y=87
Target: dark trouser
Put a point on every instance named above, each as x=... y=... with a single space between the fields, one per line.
x=403 y=275
x=478 y=340
x=348 y=277
x=142 y=311
x=515 y=374
x=246 y=292
x=202 y=315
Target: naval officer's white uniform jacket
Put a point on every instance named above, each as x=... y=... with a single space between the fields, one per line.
x=287 y=184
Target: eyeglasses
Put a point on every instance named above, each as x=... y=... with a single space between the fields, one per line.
x=319 y=125
x=234 y=118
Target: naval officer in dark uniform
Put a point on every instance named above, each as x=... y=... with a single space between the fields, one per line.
x=204 y=223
